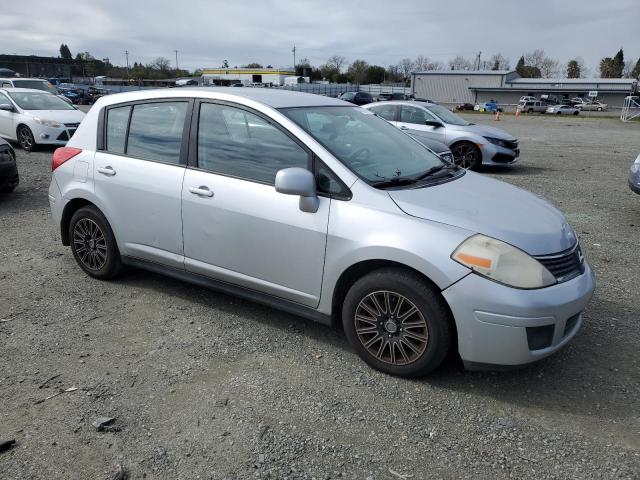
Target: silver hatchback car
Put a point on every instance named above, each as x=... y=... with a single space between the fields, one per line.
x=322 y=209
x=472 y=145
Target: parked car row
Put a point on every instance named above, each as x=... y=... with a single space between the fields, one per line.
x=32 y=83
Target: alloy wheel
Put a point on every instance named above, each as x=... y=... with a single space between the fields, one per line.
x=465 y=156
x=90 y=244
x=391 y=328
x=25 y=138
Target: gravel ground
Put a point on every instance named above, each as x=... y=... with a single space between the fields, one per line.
x=203 y=385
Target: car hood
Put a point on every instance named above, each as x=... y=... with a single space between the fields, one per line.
x=484 y=131
x=493 y=208
x=431 y=144
x=62 y=116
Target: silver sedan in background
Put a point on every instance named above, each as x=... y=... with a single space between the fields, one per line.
x=472 y=145
x=634 y=176
x=563 y=110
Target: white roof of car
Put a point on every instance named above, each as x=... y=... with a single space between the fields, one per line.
x=20 y=90
x=272 y=97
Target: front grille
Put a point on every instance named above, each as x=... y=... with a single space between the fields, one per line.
x=72 y=125
x=502 y=158
x=63 y=136
x=565 y=265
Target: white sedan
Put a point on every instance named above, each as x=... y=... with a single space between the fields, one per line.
x=563 y=110
x=33 y=117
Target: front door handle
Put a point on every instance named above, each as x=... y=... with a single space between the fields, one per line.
x=404 y=128
x=107 y=171
x=201 y=191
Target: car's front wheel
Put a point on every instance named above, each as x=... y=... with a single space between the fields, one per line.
x=93 y=243
x=397 y=323
x=26 y=139
x=467 y=155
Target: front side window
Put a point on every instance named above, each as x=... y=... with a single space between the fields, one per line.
x=414 y=115
x=388 y=112
x=238 y=143
x=155 y=131
x=368 y=145
x=446 y=115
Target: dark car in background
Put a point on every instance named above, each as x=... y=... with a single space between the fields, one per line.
x=392 y=96
x=9 y=178
x=464 y=107
x=358 y=98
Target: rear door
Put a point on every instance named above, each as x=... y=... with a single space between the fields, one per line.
x=138 y=174
x=237 y=228
x=413 y=120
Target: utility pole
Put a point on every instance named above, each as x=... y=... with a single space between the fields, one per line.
x=126 y=52
x=176 y=62
x=294 y=57
x=478 y=67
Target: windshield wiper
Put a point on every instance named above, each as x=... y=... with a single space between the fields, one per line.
x=437 y=168
x=394 y=182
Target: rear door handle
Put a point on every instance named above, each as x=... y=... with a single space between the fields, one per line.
x=201 y=191
x=107 y=171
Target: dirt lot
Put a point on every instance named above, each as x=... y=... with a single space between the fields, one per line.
x=203 y=385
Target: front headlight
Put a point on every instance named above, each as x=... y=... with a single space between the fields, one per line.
x=447 y=157
x=502 y=262
x=635 y=167
x=496 y=141
x=48 y=123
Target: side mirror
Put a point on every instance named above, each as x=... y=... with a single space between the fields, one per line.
x=433 y=123
x=7 y=107
x=299 y=181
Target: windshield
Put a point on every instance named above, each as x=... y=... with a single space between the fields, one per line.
x=36 y=85
x=370 y=146
x=39 y=101
x=446 y=115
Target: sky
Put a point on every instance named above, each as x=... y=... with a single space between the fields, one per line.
x=382 y=32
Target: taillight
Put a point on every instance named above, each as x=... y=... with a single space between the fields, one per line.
x=63 y=154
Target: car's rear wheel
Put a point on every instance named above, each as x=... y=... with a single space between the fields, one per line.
x=93 y=243
x=559 y=113
x=397 y=323
x=576 y=112
x=467 y=155
x=26 y=138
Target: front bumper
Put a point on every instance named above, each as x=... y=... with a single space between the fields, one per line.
x=496 y=324
x=634 y=183
x=496 y=155
x=45 y=135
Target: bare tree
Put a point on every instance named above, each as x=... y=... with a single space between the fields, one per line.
x=460 y=63
x=421 y=64
x=499 y=62
x=358 y=71
x=548 y=66
x=337 y=61
x=406 y=67
x=161 y=63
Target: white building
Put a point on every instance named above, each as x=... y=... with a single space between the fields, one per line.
x=246 y=76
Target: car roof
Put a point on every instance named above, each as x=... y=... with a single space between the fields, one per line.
x=413 y=103
x=272 y=97
x=22 y=78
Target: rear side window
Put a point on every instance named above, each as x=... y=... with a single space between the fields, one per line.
x=155 y=132
x=235 y=142
x=117 y=121
x=388 y=112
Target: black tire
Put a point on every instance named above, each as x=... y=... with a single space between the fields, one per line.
x=433 y=313
x=26 y=139
x=467 y=155
x=559 y=113
x=576 y=112
x=530 y=110
x=100 y=258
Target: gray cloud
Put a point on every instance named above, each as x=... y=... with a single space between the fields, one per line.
x=243 y=31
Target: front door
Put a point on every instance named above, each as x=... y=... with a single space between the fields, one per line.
x=413 y=120
x=7 y=119
x=237 y=228
x=138 y=177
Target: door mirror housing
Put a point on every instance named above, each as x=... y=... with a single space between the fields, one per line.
x=433 y=123
x=299 y=181
x=7 y=107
